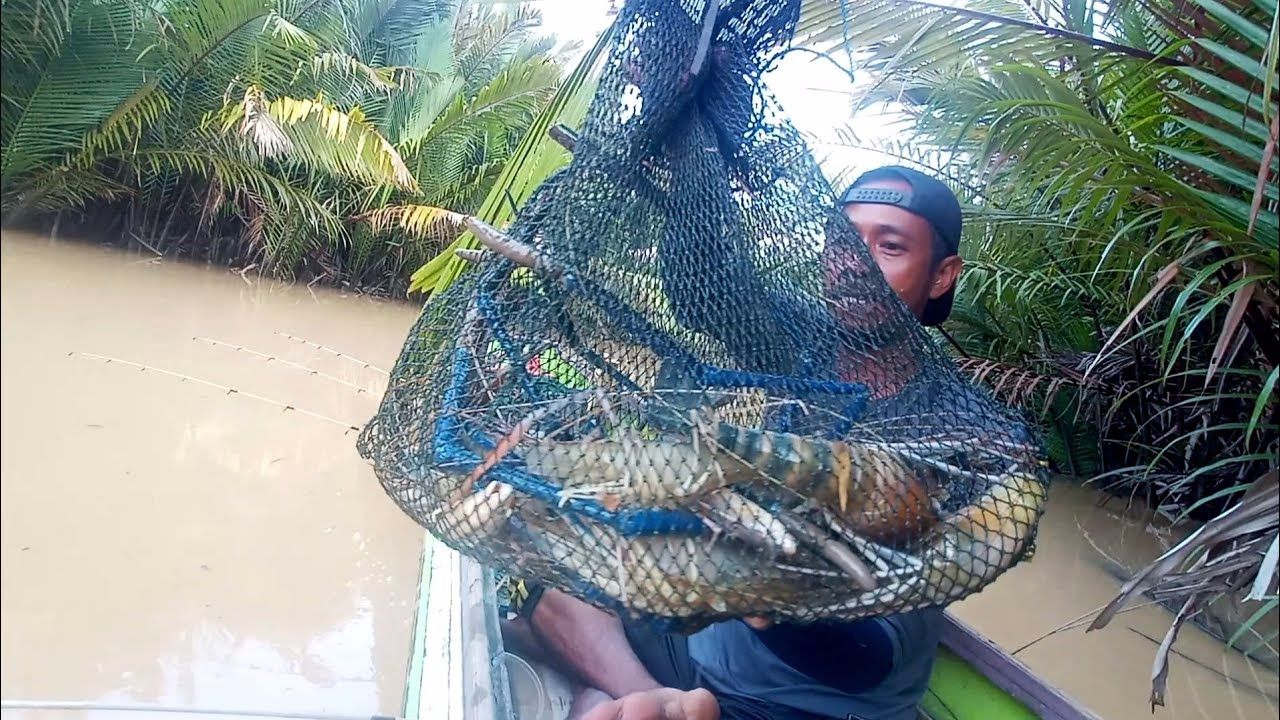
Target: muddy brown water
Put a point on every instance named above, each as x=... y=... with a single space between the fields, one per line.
x=165 y=542
x=1084 y=554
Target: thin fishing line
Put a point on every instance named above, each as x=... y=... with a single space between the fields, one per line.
x=347 y=427
x=288 y=363
x=331 y=351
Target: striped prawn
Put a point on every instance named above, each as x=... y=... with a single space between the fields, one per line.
x=685 y=578
x=880 y=499
x=877 y=491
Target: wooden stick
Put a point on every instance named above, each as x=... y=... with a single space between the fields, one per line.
x=498 y=241
x=347 y=427
x=282 y=361
x=704 y=39
x=835 y=553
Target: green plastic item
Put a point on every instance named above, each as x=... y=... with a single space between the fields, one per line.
x=957 y=691
x=562 y=371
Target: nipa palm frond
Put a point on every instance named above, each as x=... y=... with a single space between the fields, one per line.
x=316 y=134
x=1232 y=552
x=94 y=71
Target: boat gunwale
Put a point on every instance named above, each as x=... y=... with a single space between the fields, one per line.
x=486 y=691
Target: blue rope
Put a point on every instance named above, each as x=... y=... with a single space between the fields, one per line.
x=449 y=450
x=849 y=416
x=629 y=522
x=444 y=447
x=617 y=375
x=630 y=320
x=593 y=594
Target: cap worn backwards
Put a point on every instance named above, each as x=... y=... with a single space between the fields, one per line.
x=926 y=197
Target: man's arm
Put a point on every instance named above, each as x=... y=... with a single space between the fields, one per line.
x=591 y=643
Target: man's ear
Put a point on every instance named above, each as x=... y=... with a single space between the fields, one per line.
x=944 y=277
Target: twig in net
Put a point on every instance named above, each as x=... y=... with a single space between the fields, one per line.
x=347 y=427
x=498 y=241
x=565 y=137
x=331 y=351
x=282 y=361
x=834 y=552
x=510 y=440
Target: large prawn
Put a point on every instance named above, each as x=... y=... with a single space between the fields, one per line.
x=876 y=491
x=880 y=499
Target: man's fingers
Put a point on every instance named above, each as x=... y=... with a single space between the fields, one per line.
x=640 y=706
x=698 y=704
x=664 y=704
x=611 y=710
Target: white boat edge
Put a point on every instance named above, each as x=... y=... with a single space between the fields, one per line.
x=455 y=671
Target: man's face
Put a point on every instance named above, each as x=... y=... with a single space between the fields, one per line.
x=901 y=243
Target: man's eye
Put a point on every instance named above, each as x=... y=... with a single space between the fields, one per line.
x=893 y=247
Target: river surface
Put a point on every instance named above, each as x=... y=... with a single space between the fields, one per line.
x=166 y=542
x=1072 y=575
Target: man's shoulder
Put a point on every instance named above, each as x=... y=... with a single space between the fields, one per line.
x=916 y=631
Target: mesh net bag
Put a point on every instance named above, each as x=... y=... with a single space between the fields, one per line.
x=678 y=387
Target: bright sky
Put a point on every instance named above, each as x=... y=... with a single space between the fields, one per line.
x=816 y=96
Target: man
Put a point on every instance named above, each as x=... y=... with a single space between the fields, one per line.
x=873 y=669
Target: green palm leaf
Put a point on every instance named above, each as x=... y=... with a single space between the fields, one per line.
x=94 y=71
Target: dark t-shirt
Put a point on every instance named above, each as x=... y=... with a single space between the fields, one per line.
x=799 y=672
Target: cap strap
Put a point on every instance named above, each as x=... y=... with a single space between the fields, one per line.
x=877 y=195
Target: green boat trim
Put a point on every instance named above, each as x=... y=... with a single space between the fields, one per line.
x=975 y=679
x=958 y=691
x=459 y=669
x=413 y=682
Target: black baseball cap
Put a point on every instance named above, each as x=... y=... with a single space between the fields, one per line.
x=929 y=198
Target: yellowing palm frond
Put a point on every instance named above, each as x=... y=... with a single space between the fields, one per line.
x=317 y=134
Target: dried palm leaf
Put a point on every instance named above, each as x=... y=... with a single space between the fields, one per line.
x=1227 y=554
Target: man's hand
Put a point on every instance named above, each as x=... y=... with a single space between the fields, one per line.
x=661 y=704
